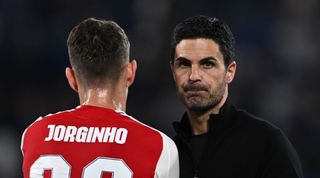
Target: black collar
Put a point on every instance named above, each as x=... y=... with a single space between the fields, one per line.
x=217 y=122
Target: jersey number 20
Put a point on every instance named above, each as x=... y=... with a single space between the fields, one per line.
x=60 y=168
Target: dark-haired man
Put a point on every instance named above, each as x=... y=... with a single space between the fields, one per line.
x=98 y=139
x=215 y=139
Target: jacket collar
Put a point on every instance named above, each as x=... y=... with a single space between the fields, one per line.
x=217 y=122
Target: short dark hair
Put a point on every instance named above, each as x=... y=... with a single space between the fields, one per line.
x=205 y=27
x=98 y=49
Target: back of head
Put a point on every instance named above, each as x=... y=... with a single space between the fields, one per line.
x=205 y=27
x=97 y=49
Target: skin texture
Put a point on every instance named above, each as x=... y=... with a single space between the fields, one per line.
x=201 y=79
x=109 y=96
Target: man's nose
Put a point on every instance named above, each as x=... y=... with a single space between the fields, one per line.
x=195 y=74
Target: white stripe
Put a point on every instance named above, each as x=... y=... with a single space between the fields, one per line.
x=168 y=164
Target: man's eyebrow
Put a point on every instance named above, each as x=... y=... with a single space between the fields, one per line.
x=208 y=59
x=181 y=59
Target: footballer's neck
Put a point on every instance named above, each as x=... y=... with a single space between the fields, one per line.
x=104 y=97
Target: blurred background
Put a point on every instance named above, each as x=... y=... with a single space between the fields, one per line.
x=277 y=49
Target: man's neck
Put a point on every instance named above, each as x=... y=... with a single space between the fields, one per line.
x=199 y=121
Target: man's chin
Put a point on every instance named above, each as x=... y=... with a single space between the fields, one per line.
x=197 y=106
x=195 y=99
x=198 y=109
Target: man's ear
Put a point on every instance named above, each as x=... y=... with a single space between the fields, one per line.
x=131 y=68
x=71 y=77
x=231 y=71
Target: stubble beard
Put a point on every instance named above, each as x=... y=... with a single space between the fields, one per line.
x=202 y=104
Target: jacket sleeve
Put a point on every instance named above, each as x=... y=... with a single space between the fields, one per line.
x=168 y=163
x=281 y=159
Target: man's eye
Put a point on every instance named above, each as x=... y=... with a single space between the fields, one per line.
x=183 y=64
x=208 y=64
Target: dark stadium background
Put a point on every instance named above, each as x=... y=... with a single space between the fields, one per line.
x=277 y=54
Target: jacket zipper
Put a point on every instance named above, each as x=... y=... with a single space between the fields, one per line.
x=193 y=162
x=196 y=173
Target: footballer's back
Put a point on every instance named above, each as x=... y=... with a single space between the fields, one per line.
x=95 y=142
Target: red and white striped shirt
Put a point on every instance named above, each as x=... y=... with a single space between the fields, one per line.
x=96 y=142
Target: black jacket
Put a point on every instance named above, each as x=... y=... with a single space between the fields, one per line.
x=239 y=145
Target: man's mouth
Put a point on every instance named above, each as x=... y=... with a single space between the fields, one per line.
x=195 y=90
x=191 y=93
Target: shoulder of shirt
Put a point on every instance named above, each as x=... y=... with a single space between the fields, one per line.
x=51 y=115
x=41 y=119
x=276 y=142
x=254 y=127
x=166 y=140
x=250 y=121
x=59 y=113
x=164 y=136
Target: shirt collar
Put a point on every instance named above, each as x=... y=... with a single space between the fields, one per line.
x=216 y=121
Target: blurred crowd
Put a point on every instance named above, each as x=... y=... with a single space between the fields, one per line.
x=277 y=50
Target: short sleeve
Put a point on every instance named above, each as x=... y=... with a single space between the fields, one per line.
x=168 y=164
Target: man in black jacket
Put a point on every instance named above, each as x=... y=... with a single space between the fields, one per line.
x=214 y=139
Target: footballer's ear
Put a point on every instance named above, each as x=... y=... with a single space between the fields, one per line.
x=71 y=77
x=131 y=72
x=231 y=71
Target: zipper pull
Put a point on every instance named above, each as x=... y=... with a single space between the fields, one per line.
x=196 y=174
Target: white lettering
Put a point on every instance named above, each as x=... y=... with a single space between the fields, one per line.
x=51 y=127
x=81 y=134
x=59 y=133
x=89 y=136
x=86 y=134
x=109 y=134
x=121 y=135
x=70 y=133
x=98 y=134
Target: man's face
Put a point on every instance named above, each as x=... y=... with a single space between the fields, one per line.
x=200 y=74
